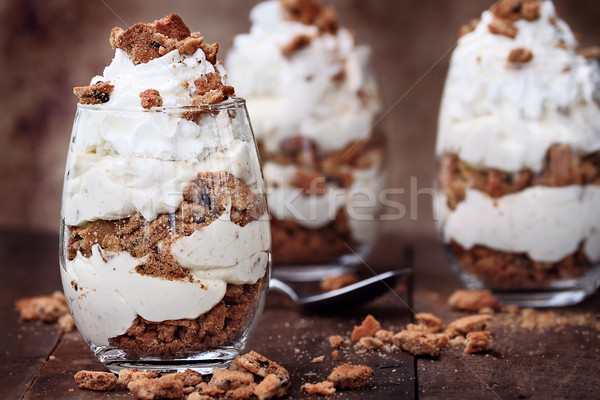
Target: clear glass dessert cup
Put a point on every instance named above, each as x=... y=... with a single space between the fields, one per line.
x=324 y=206
x=532 y=237
x=165 y=237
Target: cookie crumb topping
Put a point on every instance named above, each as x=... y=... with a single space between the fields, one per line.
x=151 y=98
x=520 y=55
x=97 y=93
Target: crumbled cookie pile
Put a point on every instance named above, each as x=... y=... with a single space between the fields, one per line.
x=51 y=309
x=335 y=282
x=144 y=42
x=250 y=376
x=311 y=12
x=506 y=12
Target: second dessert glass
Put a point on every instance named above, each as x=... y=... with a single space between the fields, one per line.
x=314 y=103
x=165 y=238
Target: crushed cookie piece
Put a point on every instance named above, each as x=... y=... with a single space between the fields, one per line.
x=384 y=335
x=318 y=359
x=149 y=389
x=209 y=390
x=336 y=341
x=370 y=343
x=520 y=55
x=335 y=354
x=325 y=388
x=298 y=43
x=420 y=343
x=129 y=375
x=464 y=325
x=198 y=396
x=188 y=377
x=65 y=323
x=513 y=10
x=268 y=388
x=330 y=283
x=468 y=27
x=350 y=376
x=590 y=52
x=431 y=321
x=531 y=10
x=151 y=98
x=311 y=12
x=478 y=341
x=243 y=392
x=262 y=366
x=95 y=380
x=473 y=300
x=97 y=93
x=501 y=27
x=173 y=27
x=368 y=328
x=230 y=380
x=43 y=308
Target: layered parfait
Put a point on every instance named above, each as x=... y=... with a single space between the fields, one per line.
x=313 y=104
x=165 y=228
x=519 y=148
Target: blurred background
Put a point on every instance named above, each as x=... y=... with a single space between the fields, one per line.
x=49 y=46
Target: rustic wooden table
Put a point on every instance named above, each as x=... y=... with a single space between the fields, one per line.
x=539 y=362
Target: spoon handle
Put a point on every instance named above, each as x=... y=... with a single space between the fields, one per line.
x=279 y=286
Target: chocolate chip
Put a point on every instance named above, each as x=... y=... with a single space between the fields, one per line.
x=101 y=96
x=517 y=8
x=155 y=44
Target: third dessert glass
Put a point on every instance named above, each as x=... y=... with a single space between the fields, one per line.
x=519 y=153
x=165 y=239
x=313 y=104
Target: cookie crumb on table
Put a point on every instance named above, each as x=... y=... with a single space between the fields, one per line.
x=350 y=376
x=478 y=341
x=473 y=300
x=324 y=388
x=95 y=380
x=367 y=328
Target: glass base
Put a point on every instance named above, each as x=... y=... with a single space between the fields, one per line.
x=115 y=360
x=557 y=294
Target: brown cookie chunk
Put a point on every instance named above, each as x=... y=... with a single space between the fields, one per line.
x=97 y=93
x=151 y=98
x=95 y=380
x=349 y=376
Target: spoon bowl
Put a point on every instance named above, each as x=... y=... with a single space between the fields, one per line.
x=349 y=296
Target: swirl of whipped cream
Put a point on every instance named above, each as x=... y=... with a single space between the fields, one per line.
x=301 y=93
x=498 y=114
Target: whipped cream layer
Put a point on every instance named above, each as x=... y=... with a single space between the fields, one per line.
x=546 y=223
x=106 y=293
x=497 y=114
x=299 y=94
x=165 y=74
x=361 y=199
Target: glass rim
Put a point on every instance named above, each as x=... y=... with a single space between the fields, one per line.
x=229 y=104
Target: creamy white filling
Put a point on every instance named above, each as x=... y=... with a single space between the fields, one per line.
x=111 y=294
x=498 y=115
x=361 y=199
x=165 y=74
x=114 y=187
x=287 y=96
x=546 y=223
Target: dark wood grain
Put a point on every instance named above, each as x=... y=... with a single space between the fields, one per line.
x=559 y=361
x=26 y=270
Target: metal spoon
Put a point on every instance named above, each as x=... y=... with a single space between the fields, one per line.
x=349 y=296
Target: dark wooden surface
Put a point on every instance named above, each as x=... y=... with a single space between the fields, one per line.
x=553 y=362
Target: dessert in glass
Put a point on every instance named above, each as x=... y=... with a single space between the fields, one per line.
x=165 y=237
x=313 y=102
x=519 y=157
